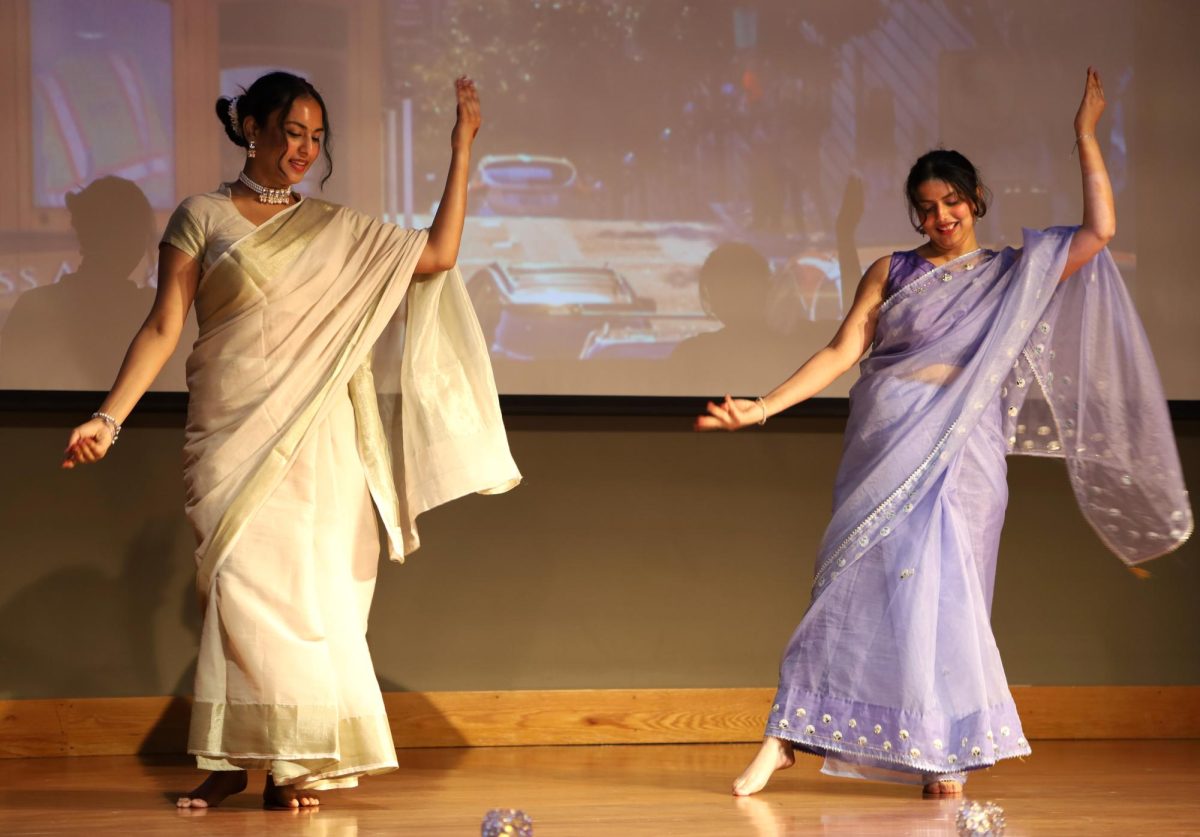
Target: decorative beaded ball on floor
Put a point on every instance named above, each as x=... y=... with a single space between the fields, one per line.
x=980 y=820
x=506 y=822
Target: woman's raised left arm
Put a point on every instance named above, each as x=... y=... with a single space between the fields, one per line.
x=445 y=233
x=1099 y=213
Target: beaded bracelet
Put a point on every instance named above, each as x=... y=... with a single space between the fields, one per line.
x=763 y=405
x=113 y=428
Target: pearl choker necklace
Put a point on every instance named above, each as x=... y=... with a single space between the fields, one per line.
x=265 y=193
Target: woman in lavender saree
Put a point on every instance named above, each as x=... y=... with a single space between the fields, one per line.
x=893 y=673
x=291 y=450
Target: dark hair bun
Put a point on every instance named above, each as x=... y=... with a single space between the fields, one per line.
x=223 y=115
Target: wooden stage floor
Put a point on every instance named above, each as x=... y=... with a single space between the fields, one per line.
x=1065 y=788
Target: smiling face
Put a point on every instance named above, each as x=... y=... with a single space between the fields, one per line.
x=946 y=217
x=284 y=154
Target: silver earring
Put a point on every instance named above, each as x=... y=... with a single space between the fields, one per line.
x=250 y=150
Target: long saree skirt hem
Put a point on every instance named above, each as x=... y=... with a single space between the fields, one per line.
x=894 y=669
x=853 y=736
x=299 y=774
x=320 y=754
x=284 y=679
x=837 y=765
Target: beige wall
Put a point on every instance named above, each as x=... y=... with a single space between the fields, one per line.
x=636 y=554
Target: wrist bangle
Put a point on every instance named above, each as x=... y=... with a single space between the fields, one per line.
x=762 y=406
x=114 y=429
x=1079 y=137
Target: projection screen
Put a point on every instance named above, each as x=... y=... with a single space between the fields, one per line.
x=624 y=143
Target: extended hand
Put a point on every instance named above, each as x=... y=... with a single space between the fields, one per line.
x=466 y=126
x=1092 y=105
x=89 y=443
x=731 y=414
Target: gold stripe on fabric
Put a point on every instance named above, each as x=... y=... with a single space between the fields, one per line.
x=304 y=745
x=375 y=450
x=262 y=731
x=274 y=247
x=274 y=465
x=248 y=267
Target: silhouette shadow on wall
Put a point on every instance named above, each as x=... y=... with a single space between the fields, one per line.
x=83 y=631
x=735 y=285
x=73 y=334
x=762 y=311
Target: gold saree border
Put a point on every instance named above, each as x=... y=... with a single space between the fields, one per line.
x=309 y=746
x=270 y=471
x=278 y=459
x=375 y=451
x=277 y=243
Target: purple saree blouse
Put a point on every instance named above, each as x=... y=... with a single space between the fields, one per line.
x=893 y=672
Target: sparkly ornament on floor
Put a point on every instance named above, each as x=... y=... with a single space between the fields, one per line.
x=977 y=819
x=506 y=822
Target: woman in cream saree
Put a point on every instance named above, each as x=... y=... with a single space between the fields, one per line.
x=292 y=452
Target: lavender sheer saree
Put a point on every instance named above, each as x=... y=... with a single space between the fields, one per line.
x=893 y=672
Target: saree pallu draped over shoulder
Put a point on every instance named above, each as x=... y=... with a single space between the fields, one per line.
x=290 y=452
x=894 y=673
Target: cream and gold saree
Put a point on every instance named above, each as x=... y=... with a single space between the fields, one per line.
x=292 y=451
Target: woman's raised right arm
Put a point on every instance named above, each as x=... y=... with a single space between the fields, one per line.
x=445 y=233
x=1099 y=211
x=152 y=346
x=851 y=342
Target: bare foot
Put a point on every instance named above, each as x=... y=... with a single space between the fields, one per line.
x=942 y=788
x=286 y=798
x=213 y=790
x=774 y=754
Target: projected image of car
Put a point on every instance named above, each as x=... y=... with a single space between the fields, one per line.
x=522 y=184
x=548 y=312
